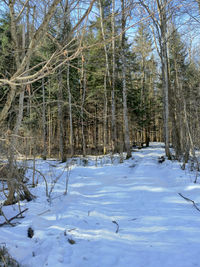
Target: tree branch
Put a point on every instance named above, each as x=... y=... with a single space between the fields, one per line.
x=11 y=219
x=190 y=200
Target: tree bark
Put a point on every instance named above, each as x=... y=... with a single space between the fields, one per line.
x=71 y=138
x=105 y=85
x=125 y=109
x=83 y=78
x=165 y=72
x=113 y=104
x=44 y=123
x=60 y=118
x=105 y=121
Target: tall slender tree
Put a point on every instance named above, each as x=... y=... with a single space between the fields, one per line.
x=160 y=18
x=125 y=109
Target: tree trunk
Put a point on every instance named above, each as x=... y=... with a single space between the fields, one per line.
x=105 y=121
x=165 y=71
x=71 y=138
x=125 y=109
x=60 y=118
x=105 y=84
x=83 y=74
x=113 y=122
x=44 y=123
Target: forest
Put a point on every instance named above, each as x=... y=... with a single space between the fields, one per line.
x=96 y=78
x=81 y=78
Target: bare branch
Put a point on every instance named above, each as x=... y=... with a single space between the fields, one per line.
x=190 y=200
x=22 y=10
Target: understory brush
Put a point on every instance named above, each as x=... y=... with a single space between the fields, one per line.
x=5 y=258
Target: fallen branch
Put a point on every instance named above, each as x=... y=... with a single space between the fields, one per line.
x=6 y=220
x=11 y=219
x=190 y=200
x=42 y=213
x=117 y=226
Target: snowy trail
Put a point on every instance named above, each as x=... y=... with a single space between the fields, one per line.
x=128 y=214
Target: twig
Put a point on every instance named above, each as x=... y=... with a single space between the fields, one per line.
x=15 y=217
x=42 y=213
x=6 y=220
x=117 y=226
x=189 y=200
x=133 y=219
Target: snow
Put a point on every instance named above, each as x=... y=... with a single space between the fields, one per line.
x=127 y=214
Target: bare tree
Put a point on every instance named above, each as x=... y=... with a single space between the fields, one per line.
x=125 y=109
x=107 y=74
x=60 y=117
x=71 y=138
x=114 y=130
x=21 y=75
x=160 y=18
x=44 y=123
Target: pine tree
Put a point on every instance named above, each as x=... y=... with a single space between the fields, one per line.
x=7 y=63
x=143 y=95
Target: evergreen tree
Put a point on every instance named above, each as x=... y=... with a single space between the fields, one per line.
x=143 y=96
x=7 y=63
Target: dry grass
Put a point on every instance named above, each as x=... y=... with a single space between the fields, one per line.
x=5 y=259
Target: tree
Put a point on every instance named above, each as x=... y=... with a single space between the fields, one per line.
x=177 y=72
x=20 y=76
x=160 y=18
x=125 y=110
x=183 y=104
x=107 y=75
x=142 y=47
x=114 y=133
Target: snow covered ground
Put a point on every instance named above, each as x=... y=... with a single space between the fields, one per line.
x=127 y=214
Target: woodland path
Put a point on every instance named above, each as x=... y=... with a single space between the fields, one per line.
x=127 y=214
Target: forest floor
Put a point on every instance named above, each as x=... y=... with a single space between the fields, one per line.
x=114 y=214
